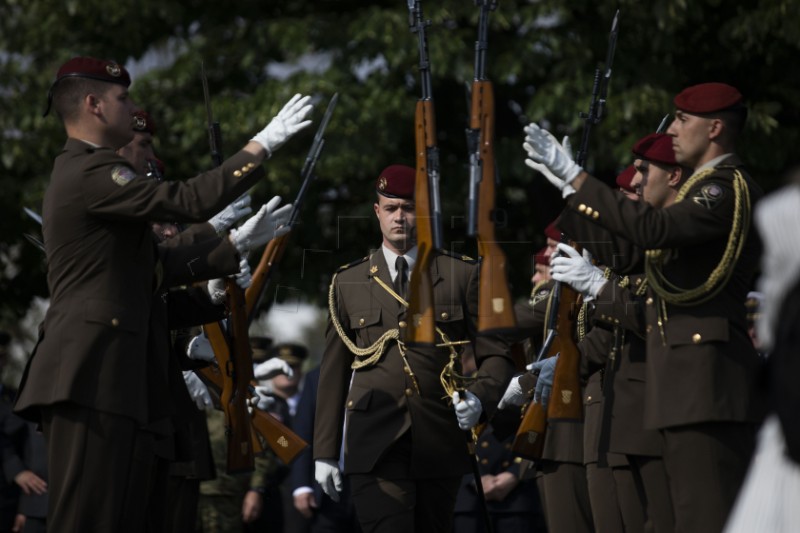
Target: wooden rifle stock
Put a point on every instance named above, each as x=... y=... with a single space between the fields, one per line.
x=283 y=441
x=529 y=441
x=421 y=323
x=261 y=275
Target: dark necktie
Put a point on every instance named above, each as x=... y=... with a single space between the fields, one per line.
x=401 y=281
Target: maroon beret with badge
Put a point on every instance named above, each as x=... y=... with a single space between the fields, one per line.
x=656 y=147
x=396 y=181
x=552 y=232
x=708 y=98
x=89 y=67
x=625 y=178
x=541 y=257
x=142 y=121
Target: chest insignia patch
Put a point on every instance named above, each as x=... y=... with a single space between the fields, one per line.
x=122 y=175
x=709 y=195
x=373 y=269
x=540 y=295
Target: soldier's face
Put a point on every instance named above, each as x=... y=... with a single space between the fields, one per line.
x=541 y=273
x=138 y=151
x=116 y=109
x=654 y=183
x=398 y=223
x=691 y=137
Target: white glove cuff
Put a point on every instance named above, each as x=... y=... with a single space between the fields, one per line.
x=239 y=242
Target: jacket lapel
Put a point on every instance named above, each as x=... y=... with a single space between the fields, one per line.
x=379 y=269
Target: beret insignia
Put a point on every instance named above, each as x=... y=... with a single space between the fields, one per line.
x=113 y=70
x=709 y=195
x=382 y=184
x=122 y=175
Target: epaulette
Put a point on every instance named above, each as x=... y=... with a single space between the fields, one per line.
x=354 y=263
x=462 y=257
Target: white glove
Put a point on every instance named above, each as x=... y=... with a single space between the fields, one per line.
x=514 y=395
x=286 y=123
x=544 y=149
x=547 y=369
x=271 y=368
x=262 y=227
x=197 y=390
x=200 y=349
x=244 y=278
x=261 y=400
x=327 y=474
x=229 y=216
x=568 y=189
x=468 y=411
x=574 y=269
x=216 y=291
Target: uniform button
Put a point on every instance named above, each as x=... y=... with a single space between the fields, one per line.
x=245 y=168
x=696 y=338
x=649 y=300
x=445 y=316
x=484 y=461
x=649 y=328
x=251 y=165
x=582 y=208
x=484 y=444
x=589 y=210
x=409 y=392
x=407 y=370
x=616 y=321
x=361 y=321
x=402 y=324
x=505 y=464
x=115 y=322
x=588 y=398
x=518 y=460
x=350 y=404
x=237 y=173
x=595 y=215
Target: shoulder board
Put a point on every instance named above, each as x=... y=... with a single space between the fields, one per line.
x=354 y=263
x=462 y=257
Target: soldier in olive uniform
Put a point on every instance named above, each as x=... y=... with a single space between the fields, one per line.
x=701 y=366
x=90 y=378
x=404 y=449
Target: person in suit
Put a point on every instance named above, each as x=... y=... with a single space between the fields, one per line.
x=702 y=368
x=404 y=446
x=90 y=380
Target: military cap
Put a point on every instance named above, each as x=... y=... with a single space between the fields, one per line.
x=656 y=147
x=292 y=353
x=708 y=98
x=625 y=178
x=90 y=67
x=260 y=347
x=552 y=231
x=541 y=257
x=142 y=121
x=396 y=181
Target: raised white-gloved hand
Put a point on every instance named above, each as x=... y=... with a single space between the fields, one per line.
x=513 y=396
x=271 y=368
x=244 y=278
x=574 y=269
x=542 y=169
x=286 y=123
x=200 y=349
x=216 y=290
x=327 y=474
x=547 y=369
x=268 y=223
x=468 y=411
x=544 y=149
x=229 y=216
x=197 y=390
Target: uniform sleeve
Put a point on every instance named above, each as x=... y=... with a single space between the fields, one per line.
x=606 y=247
x=113 y=190
x=705 y=214
x=618 y=305
x=209 y=259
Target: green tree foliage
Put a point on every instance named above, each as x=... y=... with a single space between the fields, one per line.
x=542 y=59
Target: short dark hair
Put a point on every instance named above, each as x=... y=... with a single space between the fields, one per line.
x=734 y=119
x=70 y=92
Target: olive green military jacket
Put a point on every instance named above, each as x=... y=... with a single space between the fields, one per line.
x=382 y=403
x=701 y=364
x=104 y=268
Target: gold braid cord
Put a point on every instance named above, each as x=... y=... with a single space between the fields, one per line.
x=654 y=263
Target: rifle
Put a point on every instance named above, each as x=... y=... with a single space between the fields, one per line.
x=421 y=323
x=232 y=351
x=283 y=441
x=495 y=309
x=662 y=127
x=274 y=250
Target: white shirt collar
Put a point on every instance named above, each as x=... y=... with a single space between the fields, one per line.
x=711 y=164
x=391 y=257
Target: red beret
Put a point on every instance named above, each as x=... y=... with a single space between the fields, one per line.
x=552 y=231
x=541 y=257
x=625 y=178
x=656 y=147
x=142 y=121
x=89 y=67
x=708 y=98
x=396 y=181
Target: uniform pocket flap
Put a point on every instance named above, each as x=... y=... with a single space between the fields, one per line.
x=449 y=313
x=682 y=330
x=359 y=399
x=111 y=314
x=370 y=317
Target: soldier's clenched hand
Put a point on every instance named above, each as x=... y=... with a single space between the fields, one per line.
x=572 y=268
x=514 y=395
x=197 y=390
x=547 y=370
x=468 y=409
x=286 y=123
x=200 y=349
x=327 y=474
x=271 y=368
